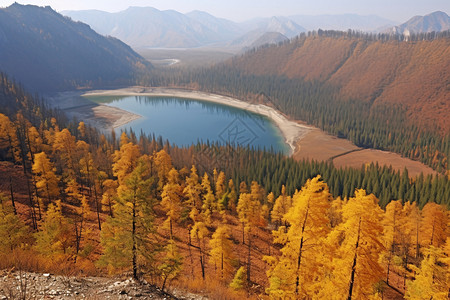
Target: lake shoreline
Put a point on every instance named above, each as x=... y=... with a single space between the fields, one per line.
x=310 y=143
x=292 y=131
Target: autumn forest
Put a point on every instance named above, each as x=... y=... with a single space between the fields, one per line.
x=221 y=220
x=92 y=204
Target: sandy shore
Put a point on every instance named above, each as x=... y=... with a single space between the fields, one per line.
x=101 y=116
x=291 y=131
x=306 y=142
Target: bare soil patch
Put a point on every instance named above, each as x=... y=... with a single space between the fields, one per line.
x=317 y=145
x=356 y=159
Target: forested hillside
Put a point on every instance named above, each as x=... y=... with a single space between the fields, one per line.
x=379 y=91
x=413 y=74
x=83 y=203
x=45 y=51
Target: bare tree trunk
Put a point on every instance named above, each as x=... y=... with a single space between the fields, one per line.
x=249 y=262
x=97 y=208
x=12 y=195
x=352 y=277
x=133 y=235
x=300 y=252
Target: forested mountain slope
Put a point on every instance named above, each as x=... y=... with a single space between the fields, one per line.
x=387 y=92
x=45 y=51
x=414 y=74
x=73 y=202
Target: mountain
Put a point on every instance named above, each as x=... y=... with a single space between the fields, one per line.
x=224 y=28
x=269 y=38
x=147 y=27
x=370 y=23
x=413 y=75
x=262 y=31
x=144 y=27
x=46 y=51
x=437 y=21
x=282 y=25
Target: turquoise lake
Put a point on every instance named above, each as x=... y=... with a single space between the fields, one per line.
x=185 y=121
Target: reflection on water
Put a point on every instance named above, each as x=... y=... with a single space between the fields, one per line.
x=187 y=121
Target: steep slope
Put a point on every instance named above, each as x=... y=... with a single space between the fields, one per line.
x=46 y=51
x=436 y=21
x=413 y=74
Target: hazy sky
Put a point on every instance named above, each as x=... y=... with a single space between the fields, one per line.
x=240 y=10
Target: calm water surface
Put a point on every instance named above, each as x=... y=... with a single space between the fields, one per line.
x=186 y=121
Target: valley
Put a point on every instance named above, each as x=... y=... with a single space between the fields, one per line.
x=168 y=153
x=185 y=57
x=305 y=142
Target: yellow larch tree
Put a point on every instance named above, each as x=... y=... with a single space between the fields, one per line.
x=80 y=229
x=13 y=231
x=193 y=190
x=446 y=260
x=34 y=142
x=335 y=212
x=55 y=237
x=221 y=253
x=431 y=279
x=199 y=233
x=434 y=226
x=64 y=145
x=282 y=204
x=240 y=279
x=81 y=129
x=171 y=263
x=46 y=179
x=411 y=227
x=8 y=138
x=391 y=232
x=125 y=160
x=127 y=238
x=243 y=187
x=220 y=191
x=296 y=273
x=232 y=197
x=249 y=214
x=163 y=163
x=270 y=201
x=355 y=267
x=73 y=191
x=209 y=204
x=109 y=195
x=171 y=197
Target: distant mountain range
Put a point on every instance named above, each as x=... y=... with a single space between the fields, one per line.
x=437 y=21
x=343 y=22
x=46 y=51
x=143 y=27
x=147 y=27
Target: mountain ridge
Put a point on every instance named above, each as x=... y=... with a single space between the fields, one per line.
x=411 y=74
x=202 y=29
x=437 y=21
x=46 y=51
